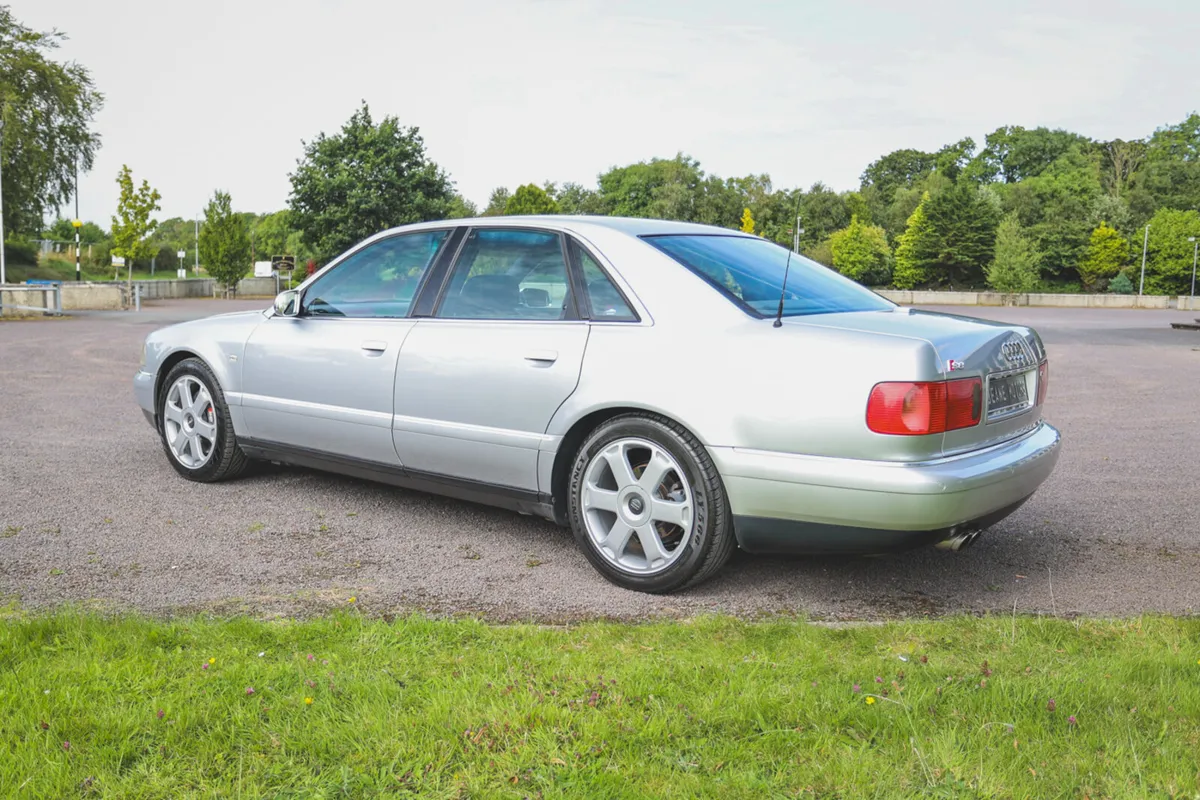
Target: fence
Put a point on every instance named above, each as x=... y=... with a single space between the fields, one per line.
x=44 y=297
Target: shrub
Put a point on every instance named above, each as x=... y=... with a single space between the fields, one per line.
x=18 y=252
x=1120 y=284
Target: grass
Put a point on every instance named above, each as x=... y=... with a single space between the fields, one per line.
x=53 y=270
x=713 y=707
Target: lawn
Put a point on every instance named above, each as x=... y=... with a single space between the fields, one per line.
x=356 y=706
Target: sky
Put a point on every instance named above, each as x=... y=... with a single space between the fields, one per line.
x=221 y=95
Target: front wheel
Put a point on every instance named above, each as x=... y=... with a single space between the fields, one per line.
x=194 y=423
x=647 y=505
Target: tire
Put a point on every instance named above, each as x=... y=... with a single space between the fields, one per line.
x=190 y=401
x=628 y=526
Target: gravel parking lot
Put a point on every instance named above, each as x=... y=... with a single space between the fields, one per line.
x=90 y=510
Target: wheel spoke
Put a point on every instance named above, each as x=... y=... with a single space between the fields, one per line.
x=672 y=513
x=173 y=413
x=196 y=448
x=179 y=443
x=651 y=544
x=201 y=403
x=207 y=430
x=600 y=499
x=618 y=538
x=187 y=394
x=655 y=472
x=618 y=462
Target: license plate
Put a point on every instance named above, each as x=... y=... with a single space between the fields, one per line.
x=1007 y=393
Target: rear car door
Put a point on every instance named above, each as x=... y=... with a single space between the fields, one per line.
x=479 y=380
x=322 y=381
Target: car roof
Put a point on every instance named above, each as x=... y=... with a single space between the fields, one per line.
x=631 y=226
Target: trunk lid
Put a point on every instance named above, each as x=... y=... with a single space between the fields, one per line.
x=1004 y=357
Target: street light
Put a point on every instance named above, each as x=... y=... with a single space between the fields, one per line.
x=1195 y=247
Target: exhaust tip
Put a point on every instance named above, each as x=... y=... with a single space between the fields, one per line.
x=958 y=541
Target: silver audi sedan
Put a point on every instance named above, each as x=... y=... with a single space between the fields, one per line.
x=668 y=391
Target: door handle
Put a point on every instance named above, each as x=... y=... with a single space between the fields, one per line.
x=374 y=345
x=542 y=356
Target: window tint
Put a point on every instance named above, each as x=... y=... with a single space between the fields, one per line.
x=749 y=271
x=377 y=281
x=603 y=296
x=509 y=274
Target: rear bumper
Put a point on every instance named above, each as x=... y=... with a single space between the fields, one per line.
x=791 y=503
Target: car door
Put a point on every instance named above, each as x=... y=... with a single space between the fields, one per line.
x=322 y=381
x=479 y=380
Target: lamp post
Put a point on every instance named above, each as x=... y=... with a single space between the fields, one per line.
x=196 y=267
x=77 y=223
x=1145 y=241
x=1 y=204
x=1195 y=248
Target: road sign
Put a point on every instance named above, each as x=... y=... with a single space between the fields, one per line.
x=180 y=254
x=283 y=263
x=118 y=261
x=263 y=269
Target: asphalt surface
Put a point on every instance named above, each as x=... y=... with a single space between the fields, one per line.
x=90 y=510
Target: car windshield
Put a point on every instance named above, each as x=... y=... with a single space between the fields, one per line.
x=750 y=272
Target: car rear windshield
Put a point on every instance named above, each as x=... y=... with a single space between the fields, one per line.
x=750 y=273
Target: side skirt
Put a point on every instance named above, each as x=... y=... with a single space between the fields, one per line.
x=506 y=497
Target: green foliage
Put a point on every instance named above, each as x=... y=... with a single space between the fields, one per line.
x=1176 y=142
x=46 y=109
x=1015 y=267
x=133 y=224
x=123 y=706
x=857 y=206
x=1121 y=284
x=461 y=208
x=747 y=221
x=1112 y=211
x=963 y=220
x=1169 y=253
x=861 y=253
x=917 y=250
x=224 y=242
x=497 y=202
x=1106 y=255
x=62 y=230
x=822 y=211
x=821 y=252
x=530 y=199
x=573 y=198
x=18 y=252
x=364 y=179
x=1012 y=154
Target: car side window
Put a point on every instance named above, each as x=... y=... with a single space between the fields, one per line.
x=604 y=298
x=509 y=274
x=378 y=281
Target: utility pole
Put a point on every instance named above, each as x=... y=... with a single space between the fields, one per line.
x=78 y=223
x=196 y=268
x=1195 y=248
x=1145 y=241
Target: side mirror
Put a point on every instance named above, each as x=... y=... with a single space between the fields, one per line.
x=287 y=304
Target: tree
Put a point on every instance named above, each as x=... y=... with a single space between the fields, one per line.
x=861 y=253
x=964 y=222
x=747 y=221
x=1011 y=153
x=224 y=242
x=530 y=199
x=461 y=208
x=497 y=202
x=662 y=188
x=46 y=109
x=1105 y=256
x=1169 y=253
x=133 y=224
x=573 y=198
x=1121 y=284
x=822 y=211
x=62 y=230
x=364 y=179
x=1015 y=267
x=917 y=250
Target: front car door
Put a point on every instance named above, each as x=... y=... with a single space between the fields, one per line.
x=478 y=381
x=322 y=381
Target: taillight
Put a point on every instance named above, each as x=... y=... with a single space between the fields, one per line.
x=916 y=409
x=1043 y=381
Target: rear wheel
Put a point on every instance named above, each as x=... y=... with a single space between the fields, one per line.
x=647 y=505
x=194 y=423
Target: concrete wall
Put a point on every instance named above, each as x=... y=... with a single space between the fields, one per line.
x=11 y=298
x=93 y=296
x=919 y=298
x=1188 y=303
